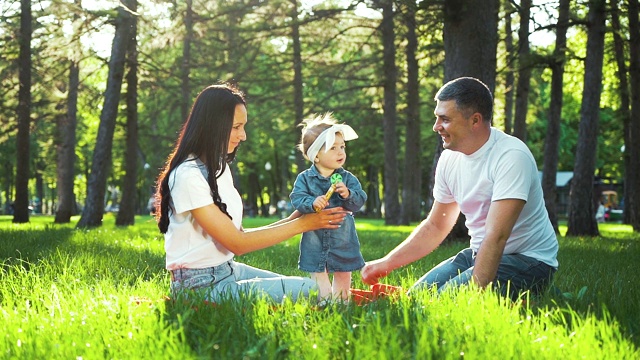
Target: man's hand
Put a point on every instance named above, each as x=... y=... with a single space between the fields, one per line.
x=373 y=271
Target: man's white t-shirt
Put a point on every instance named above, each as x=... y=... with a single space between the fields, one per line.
x=503 y=168
x=187 y=245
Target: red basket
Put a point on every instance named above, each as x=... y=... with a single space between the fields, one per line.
x=361 y=297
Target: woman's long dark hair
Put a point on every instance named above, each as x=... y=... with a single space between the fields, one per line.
x=204 y=134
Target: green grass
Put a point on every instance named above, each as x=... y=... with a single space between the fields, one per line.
x=67 y=293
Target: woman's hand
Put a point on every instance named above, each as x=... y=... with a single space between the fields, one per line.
x=326 y=219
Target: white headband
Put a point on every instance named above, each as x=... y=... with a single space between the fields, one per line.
x=328 y=137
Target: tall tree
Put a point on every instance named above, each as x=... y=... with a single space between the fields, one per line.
x=470 y=40
x=391 y=204
x=101 y=163
x=470 y=44
x=581 y=209
x=21 y=205
x=298 y=99
x=623 y=89
x=510 y=77
x=632 y=190
x=185 y=65
x=524 y=72
x=66 y=156
x=128 y=202
x=411 y=189
x=552 y=139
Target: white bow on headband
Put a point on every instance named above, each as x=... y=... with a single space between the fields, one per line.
x=328 y=137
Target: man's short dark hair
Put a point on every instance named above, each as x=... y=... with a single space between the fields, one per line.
x=470 y=94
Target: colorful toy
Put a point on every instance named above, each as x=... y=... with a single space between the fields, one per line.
x=335 y=178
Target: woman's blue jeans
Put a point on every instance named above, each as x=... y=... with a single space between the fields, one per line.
x=233 y=279
x=516 y=273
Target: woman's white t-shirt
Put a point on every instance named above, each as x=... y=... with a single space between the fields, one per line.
x=187 y=245
x=503 y=168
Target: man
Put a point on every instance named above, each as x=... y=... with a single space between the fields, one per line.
x=493 y=179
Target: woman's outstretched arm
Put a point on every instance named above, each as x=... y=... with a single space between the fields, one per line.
x=219 y=226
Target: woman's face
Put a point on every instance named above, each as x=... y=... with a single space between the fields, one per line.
x=237 y=131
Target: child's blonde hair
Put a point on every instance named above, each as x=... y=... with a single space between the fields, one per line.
x=312 y=127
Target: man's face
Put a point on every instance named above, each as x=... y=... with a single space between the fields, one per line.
x=452 y=126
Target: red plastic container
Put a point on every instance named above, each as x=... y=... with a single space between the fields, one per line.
x=361 y=297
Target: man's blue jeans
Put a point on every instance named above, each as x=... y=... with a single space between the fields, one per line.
x=516 y=273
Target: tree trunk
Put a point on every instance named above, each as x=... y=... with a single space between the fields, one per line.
x=21 y=204
x=254 y=193
x=411 y=194
x=623 y=89
x=470 y=42
x=128 y=202
x=524 y=73
x=552 y=139
x=96 y=184
x=390 y=138
x=582 y=219
x=40 y=195
x=66 y=149
x=632 y=189
x=185 y=65
x=510 y=77
x=374 y=204
x=298 y=98
x=8 y=186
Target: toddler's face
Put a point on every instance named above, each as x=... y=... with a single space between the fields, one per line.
x=335 y=157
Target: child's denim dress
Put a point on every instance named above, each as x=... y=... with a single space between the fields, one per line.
x=329 y=250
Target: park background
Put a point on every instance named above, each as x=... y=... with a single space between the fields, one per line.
x=94 y=94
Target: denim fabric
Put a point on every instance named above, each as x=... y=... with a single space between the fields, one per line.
x=310 y=184
x=335 y=250
x=231 y=279
x=516 y=273
x=331 y=250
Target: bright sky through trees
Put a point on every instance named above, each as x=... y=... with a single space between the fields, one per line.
x=543 y=12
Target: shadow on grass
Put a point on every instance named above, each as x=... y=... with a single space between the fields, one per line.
x=104 y=250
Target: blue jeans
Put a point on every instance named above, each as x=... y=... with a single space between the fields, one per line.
x=232 y=279
x=516 y=273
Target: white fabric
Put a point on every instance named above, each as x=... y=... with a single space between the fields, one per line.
x=187 y=245
x=328 y=137
x=503 y=168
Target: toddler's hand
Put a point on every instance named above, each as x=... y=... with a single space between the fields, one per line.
x=320 y=203
x=342 y=190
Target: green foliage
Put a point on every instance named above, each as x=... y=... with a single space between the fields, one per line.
x=250 y=43
x=100 y=293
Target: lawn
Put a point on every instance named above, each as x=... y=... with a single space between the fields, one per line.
x=101 y=293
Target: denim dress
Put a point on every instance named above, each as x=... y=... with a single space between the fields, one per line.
x=332 y=250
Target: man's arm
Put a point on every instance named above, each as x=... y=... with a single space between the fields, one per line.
x=500 y=220
x=422 y=241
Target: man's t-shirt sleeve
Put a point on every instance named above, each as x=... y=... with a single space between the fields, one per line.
x=513 y=176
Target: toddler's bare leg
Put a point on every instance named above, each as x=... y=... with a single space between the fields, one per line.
x=324 y=284
x=341 y=285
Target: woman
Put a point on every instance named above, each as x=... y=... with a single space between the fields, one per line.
x=200 y=211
